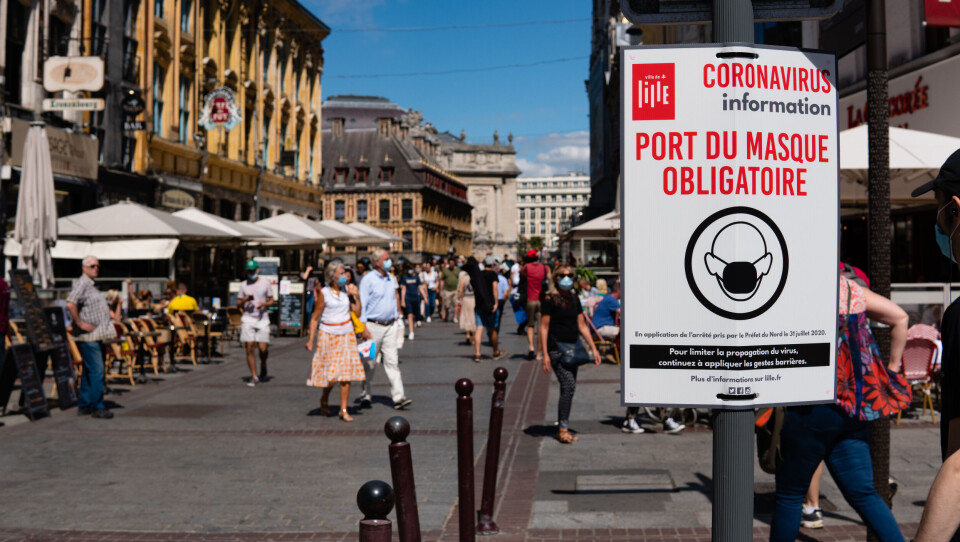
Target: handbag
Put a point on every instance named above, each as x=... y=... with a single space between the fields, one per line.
x=769 y=424
x=573 y=355
x=866 y=388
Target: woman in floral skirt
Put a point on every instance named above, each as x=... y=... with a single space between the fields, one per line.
x=335 y=359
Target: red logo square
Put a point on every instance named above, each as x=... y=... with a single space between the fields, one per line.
x=653 y=91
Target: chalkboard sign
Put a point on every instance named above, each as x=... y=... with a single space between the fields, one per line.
x=38 y=328
x=31 y=385
x=291 y=306
x=60 y=359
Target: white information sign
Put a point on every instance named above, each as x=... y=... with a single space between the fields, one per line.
x=730 y=226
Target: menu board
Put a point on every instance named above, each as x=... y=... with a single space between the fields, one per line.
x=38 y=329
x=63 y=374
x=31 y=384
x=291 y=306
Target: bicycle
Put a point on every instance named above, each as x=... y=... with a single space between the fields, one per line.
x=685 y=416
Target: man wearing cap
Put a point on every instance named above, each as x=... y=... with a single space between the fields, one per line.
x=533 y=274
x=254 y=298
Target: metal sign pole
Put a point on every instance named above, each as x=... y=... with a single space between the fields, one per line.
x=733 y=429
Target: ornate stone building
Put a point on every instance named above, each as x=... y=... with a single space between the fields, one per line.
x=490 y=173
x=380 y=167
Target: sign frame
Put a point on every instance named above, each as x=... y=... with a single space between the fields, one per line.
x=669 y=12
x=723 y=401
x=57 y=69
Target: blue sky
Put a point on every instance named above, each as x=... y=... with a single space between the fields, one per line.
x=543 y=103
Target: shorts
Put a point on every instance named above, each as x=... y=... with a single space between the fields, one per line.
x=255 y=332
x=412 y=306
x=489 y=321
x=533 y=313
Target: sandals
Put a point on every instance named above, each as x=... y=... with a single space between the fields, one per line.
x=477 y=359
x=345 y=416
x=565 y=436
x=499 y=354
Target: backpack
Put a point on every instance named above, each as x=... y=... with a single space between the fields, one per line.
x=768 y=425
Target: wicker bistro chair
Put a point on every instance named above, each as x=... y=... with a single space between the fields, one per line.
x=162 y=343
x=604 y=345
x=234 y=319
x=918 y=365
x=153 y=346
x=120 y=354
x=184 y=341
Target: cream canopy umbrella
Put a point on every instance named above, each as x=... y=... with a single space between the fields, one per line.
x=126 y=219
x=915 y=158
x=370 y=230
x=36 y=223
x=246 y=231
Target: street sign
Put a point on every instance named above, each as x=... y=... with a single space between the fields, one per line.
x=73 y=73
x=73 y=104
x=133 y=125
x=701 y=11
x=730 y=162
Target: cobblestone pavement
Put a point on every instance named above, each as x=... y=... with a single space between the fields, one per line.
x=200 y=456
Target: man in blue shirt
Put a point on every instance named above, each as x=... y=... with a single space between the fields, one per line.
x=379 y=300
x=606 y=312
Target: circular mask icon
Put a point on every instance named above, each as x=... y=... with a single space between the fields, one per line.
x=736 y=263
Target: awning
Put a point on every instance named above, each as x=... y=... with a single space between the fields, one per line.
x=133 y=249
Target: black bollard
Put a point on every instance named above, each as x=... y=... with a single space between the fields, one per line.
x=485 y=523
x=464 y=388
x=401 y=467
x=375 y=500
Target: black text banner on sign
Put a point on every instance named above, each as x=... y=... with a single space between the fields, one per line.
x=731 y=168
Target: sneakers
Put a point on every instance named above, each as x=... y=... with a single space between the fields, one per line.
x=813 y=520
x=102 y=414
x=419 y=323
x=630 y=425
x=402 y=403
x=410 y=336
x=672 y=428
x=428 y=319
x=253 y=382
x=365 y=402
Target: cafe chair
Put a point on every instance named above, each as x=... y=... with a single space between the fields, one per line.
x=234 y=319
x=162 y=342
x=118 y=362
x=604 y=345
x=13 y=333
x=202 y=326
x=918 y=365
x=184 y=341
x=74 y=355
x=150 y=346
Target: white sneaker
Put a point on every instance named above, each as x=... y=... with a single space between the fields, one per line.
x=631 y=426
x=672 y=427
x=428 y=319
x=410 y=336
x=253 y=382
x=419 y=324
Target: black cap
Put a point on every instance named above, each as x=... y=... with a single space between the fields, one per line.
x=947 y=180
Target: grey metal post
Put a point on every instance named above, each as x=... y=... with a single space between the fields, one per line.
x=733 y=429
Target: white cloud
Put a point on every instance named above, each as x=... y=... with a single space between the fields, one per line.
x=553 y=154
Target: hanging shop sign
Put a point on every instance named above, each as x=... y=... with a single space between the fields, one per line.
x=730 y=162
x=73 y=104
x=134 y=125
x=177 y=199
x=220 y=110
x=73 y=73
x=133 y=104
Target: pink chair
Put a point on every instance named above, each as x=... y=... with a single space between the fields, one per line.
x=917 y=364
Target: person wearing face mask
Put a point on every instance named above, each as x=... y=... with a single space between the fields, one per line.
x=939 y=516
x=412 y=292
x=562 y=324
x=380 y=300
x=254 y=298
x=335 y=359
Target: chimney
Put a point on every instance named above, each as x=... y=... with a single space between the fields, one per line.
x=383 y=126
x=337 y=127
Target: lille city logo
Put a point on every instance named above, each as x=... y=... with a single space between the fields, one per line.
x=653 y=91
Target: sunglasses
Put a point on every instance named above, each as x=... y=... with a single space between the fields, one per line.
x=97 y=266
x=561 y=275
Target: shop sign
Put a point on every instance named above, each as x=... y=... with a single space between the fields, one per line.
x=70 y=154
x=220 y=110
x=73 y=73
x=730 y=162
x=920 y=100
x=177 y=199
x=73 y=104
x=133 y=125
x=133 y=104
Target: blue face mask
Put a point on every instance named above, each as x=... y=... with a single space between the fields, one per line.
x=342 y=280
x=944 y=240
x=253 y=277
x=387 y=264
x=565 y=283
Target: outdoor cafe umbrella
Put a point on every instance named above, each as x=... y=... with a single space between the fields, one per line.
x=375 y=232
x=36 y=223
x=247 y=231
x=126 y=220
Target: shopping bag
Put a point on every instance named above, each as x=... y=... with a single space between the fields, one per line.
x=367 y=349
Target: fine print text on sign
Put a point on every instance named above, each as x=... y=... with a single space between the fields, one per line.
x=730 y=252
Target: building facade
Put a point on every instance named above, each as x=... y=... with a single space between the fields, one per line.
x=380 y=167
x=545 y=205
x=490 y=173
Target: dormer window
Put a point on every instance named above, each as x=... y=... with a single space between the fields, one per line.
x=386 y=174
x=340 y=175
x=361 y=175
